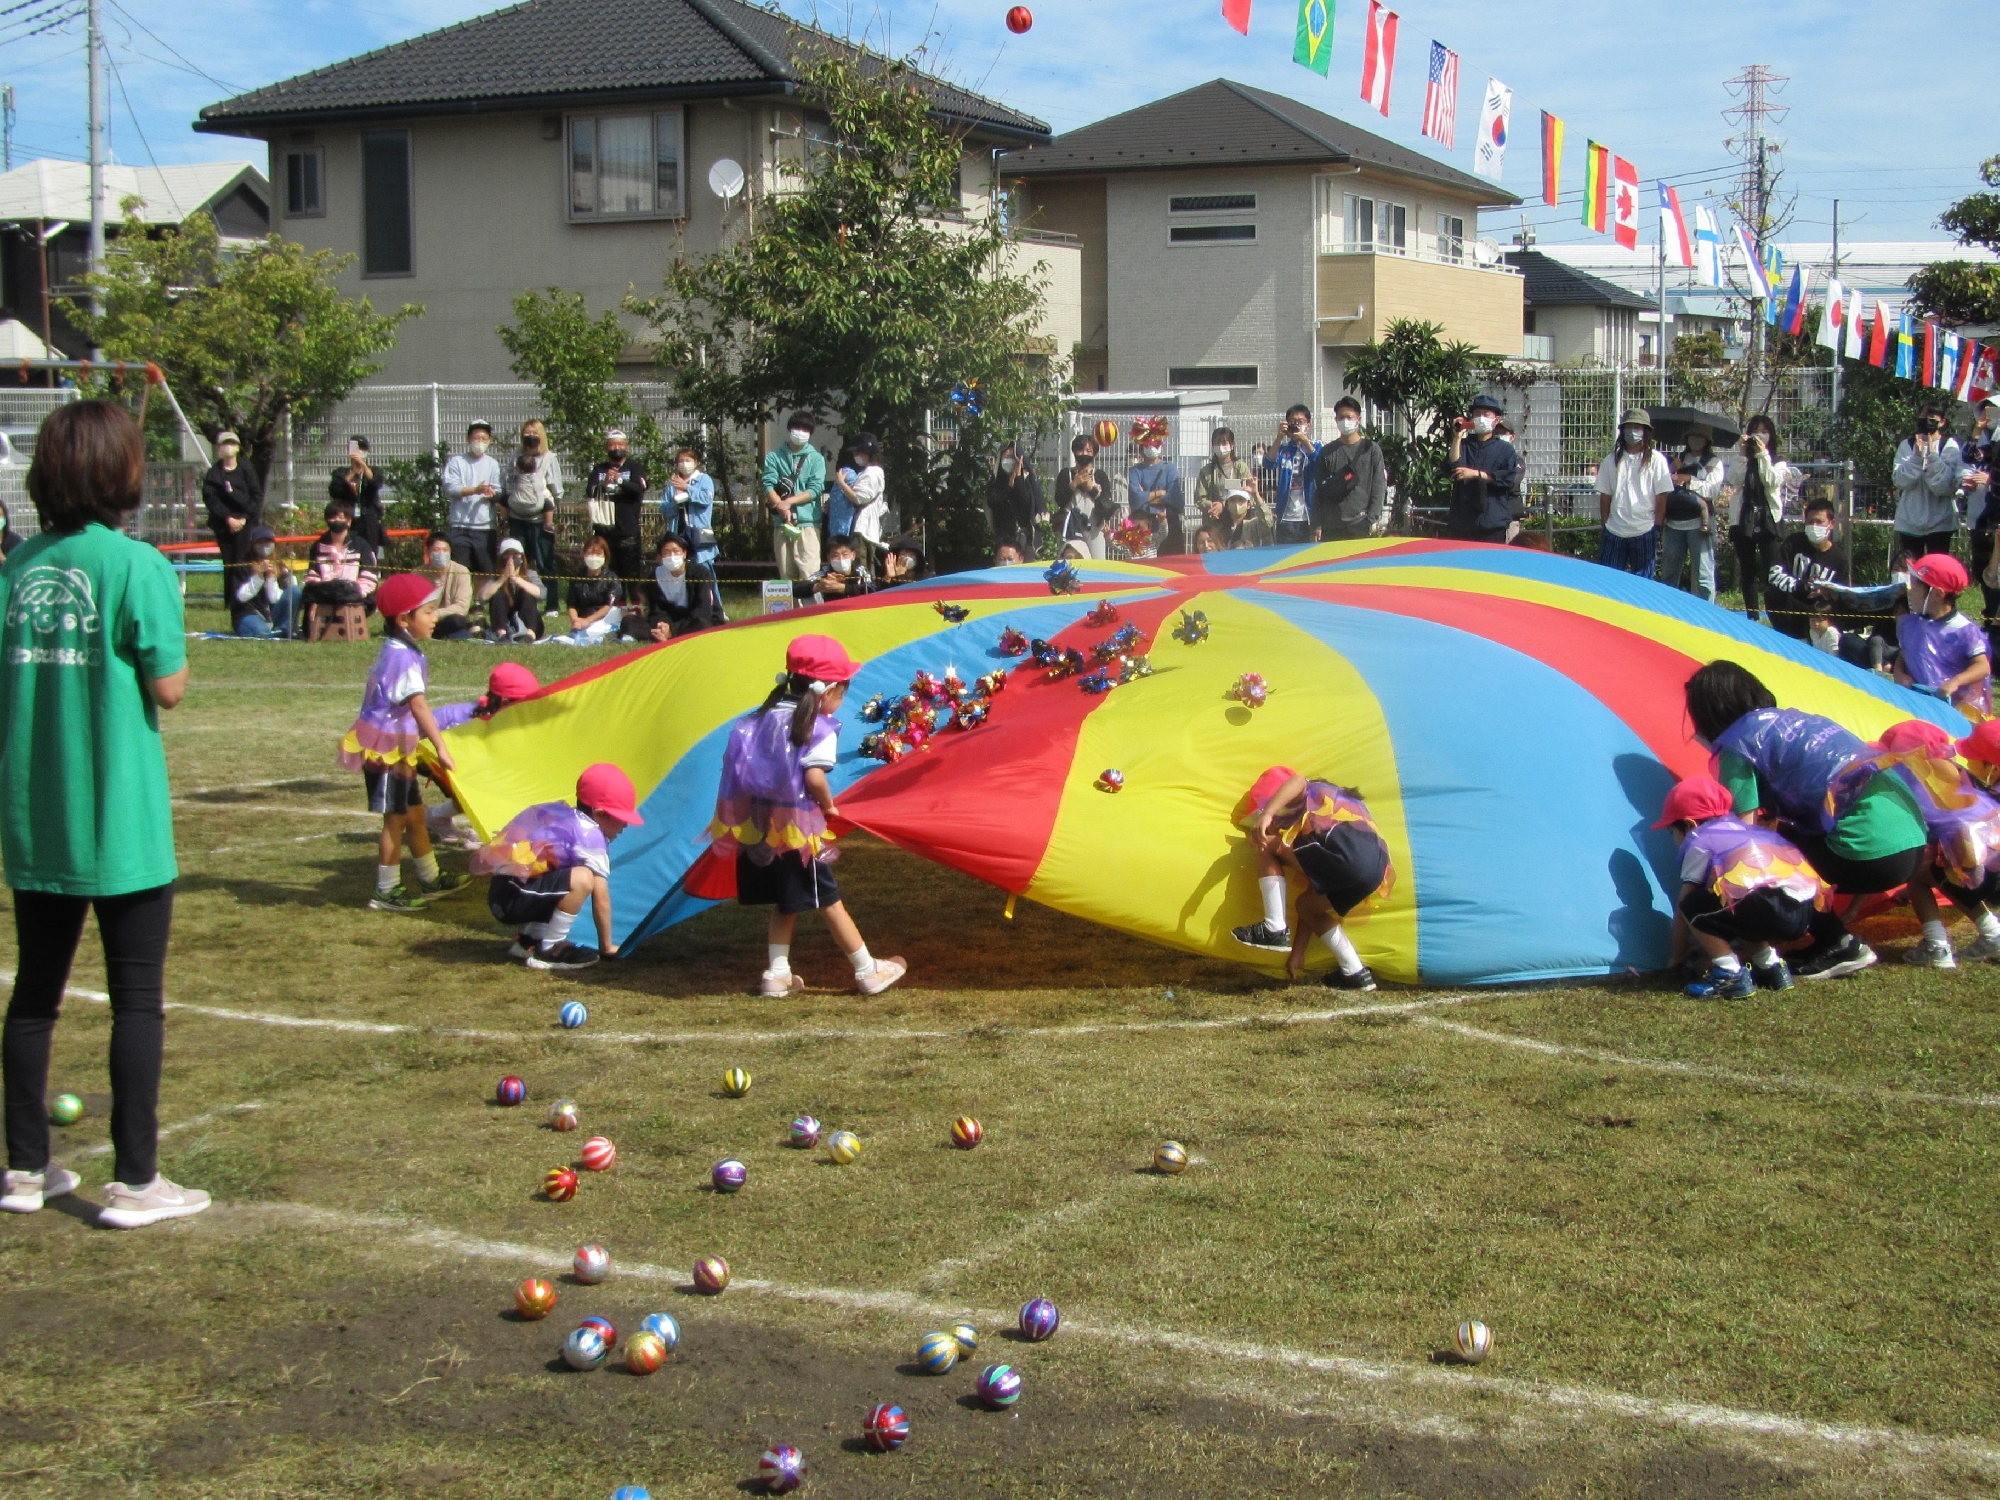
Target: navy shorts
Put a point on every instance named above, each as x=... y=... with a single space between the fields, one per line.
x=791 y=882
x=1765 y=915
x=1346 y=864
x=520 y=902
x=390 y=794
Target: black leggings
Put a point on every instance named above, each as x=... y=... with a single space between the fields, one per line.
x=1754 y=556
x=134 y=929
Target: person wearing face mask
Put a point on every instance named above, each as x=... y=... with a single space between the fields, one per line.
x=1940 y=651
x=1350 y=481
x=1225 y=489
x=616 y=491
x=513 y=597
x=1292 y=488
x=1809 y=563
x=795 y=490
x=687 y=503
x=341 y=569
x=1757 y=509
x=1014 y=500
x=263 y=598
x=1689 y=532
x=1153 y=491
x=234 y=498
x=845 y=576
x=471 y=481
x=454 y=582
x=869 y=493
x=1633 y=484
x=360 y=486
x=1082 y=505
x=1485 y=471
x=679 y=597
x=1928 y=469
x=595 y=602
x=533 y=485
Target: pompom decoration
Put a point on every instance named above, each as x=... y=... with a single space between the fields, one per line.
x=1193 y=628
x=604 y=1328
x=559 y=1185
x=887 y=748
x=1171 y=1158
x=1119 y=643
x=970 y=715
x=998 y=1387
x=873 y=710
x=584 y=1349
x=1134 y=535
x=1109 y=780
x=967 y=1337
x=1012 y=643
x=1043 y=653
x=1106 y=613
x=993 y=682
x=1149 y=430
x=1067 y=662
x=965 y=395
x=1061 y=577
x=886 y=1428
x=645 y=1354
x=67 y=1109
x=805 y=1132
x=563 y=1115
x=591 y=1264
x=1019 y=19
x=711 y=1275
x=534 y=1298
x=937 y=1353
x=966 y=1132
x=599 y=1155
x=843 y=1146
x=1106 y=433
x=572 y=1015
x=663 y=1327
x=510 y=1091
x=1249 y=690
x=736 y=1082
x=955 y=614
x=782 y=1469
x=728 y=1176
x=1039 y=1320
x=1472 y=1341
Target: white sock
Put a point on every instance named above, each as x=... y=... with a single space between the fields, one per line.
x=534 y=932
x=1335 y=938
x=862 y=959
x=1272 y=888
x=1764 y=957
x=427 y=868
x=781 y=958
x=387 y=878
x=1934 y=933
x=1727 y=964
x=1988 y=925
x=557 y=930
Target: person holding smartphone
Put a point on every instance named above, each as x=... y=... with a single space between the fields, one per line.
x=1485 y=471
x=360 y=487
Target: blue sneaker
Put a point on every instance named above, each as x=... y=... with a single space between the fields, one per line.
x=1776 y=976
x=1735 y=985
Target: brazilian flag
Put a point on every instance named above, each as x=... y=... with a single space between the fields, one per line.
x=1313 y=47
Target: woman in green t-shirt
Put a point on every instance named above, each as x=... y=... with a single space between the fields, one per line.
x=91 y=648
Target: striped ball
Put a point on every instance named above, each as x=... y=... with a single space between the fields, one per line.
x=631 y=1492
x=604 y=1329
x=966 y=1132
x=1472 y=1341
x=967 y=1336
x=584 y=1349
x=572 y=1015
x=599 y=1154
x=782 y=1468
x=736 y=1082
x=510 y=1090
x=886 y=1428
x=65 y=1109
x=534 y=1298
x=711 y=1275
x=563 y=1115
x=999 y=1386
x=645 y=1353
x=1171 y=1158
x=1039 y=1320
x=805 y=1131
x=728 y=1176
x=559 y=1186
x=663 y=1327
x=843 y=1146
x=937 y=1353
x=591 y=1265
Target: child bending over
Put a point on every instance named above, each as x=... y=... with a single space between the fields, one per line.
x=551 y=861
x=1324 y=833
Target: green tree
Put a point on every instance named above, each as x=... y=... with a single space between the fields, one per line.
x=1877 y=411
x=1963 y=291
x=571 y=359
x=1698 y=372
x=1423 y=384
x=864 y=293
x=245 y=337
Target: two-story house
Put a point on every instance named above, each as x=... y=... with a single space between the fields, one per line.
x=568 y=143
x=1237 y=239
x=1574 y=318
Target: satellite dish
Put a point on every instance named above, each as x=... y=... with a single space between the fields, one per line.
x=725 y=179
x=1487 y=252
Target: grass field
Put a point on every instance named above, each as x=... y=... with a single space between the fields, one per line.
x=1735 y=1250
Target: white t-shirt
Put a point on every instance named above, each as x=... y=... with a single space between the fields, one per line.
x=1634 y=487
x=869 y=505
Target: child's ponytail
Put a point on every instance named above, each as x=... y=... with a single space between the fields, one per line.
x=806 y=712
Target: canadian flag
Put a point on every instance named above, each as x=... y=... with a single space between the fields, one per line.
x=1624 y=203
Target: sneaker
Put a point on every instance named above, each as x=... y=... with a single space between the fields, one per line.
x=1850 y=956
x=1930 y=954
x=778 y=986
x=1736 y=984
x=885 y=973
x=1264 y=935
x=448 y=883
x=1362 y=979
x=1981 y=951
x=523 y=635
x=398 y=898
x=135 y=1208
x=1777 y=976
x=26 y=1190
x=520 y=948
x=562 y=956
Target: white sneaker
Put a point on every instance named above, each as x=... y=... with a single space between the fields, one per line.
x=1981 y=951
x=519 y=950
x=885 y=973
x=135 y=1208
x=778 y=986
x=26 y=1190
x=1929 y=954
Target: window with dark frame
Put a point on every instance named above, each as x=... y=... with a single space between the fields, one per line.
x=304 y=172
x=1204 y=375
x=1213 y=203
x=1211 y=234
x=387 y=233
x=625 y=166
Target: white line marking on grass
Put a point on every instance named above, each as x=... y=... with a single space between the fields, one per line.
x=166 y=1130
x=1778 y=1082
x=1376 y=1371
x=304 y=838
x=272 y=807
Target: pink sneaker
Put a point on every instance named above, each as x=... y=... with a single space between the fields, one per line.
x=127 y=1207
x=777 y=987
x=885 y=973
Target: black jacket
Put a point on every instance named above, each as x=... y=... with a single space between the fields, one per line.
x=1015 y=502
x=1798 y=572
x=702 y=610
x=1350 y=486
x=232 y=492
x=1486 y=504
x=628 y=493
x=588 y=595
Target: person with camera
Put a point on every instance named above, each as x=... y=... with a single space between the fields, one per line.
x=1350 y=481
x=1485 y=473
x=795 y=490
x=1927 y=474
x=1757 y=509
x=1292 y=492
x=616 y=492
x=688 y=505
x=360 y=487
x=263 y=597
x=1082 y=502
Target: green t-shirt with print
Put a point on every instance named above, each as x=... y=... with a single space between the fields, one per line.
x=1884 y=819
x=90 y=619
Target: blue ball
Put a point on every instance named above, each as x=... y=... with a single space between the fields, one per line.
x=665 y=1327
x=573 y=1015
x=631 y=1492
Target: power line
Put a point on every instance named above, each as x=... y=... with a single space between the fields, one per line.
x=190 y=66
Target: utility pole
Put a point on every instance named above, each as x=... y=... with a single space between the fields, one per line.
x=7 y=126
x=94 y=41
x=1660 y=340
x=1847 y=309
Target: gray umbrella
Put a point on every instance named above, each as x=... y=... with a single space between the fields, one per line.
x=1670 y=425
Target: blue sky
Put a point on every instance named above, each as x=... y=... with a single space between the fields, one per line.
x=1652 y=93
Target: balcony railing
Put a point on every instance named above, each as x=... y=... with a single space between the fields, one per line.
x=1465 y=258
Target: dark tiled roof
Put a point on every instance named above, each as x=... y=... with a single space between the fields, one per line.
x=547 y=51
x=1548 y=282
x=1222 y=123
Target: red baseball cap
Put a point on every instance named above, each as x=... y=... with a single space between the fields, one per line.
x=821 y=658
x=1983 y=744
x=1916 y=734
x=606 y=789
x=1942 y=572
x=510 y=682
x=400 y=593
x=1695 y=800
x=1262 y=790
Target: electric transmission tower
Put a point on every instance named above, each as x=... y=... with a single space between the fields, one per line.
x=1755 y=201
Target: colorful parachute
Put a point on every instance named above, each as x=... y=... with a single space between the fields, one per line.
x=1513 y=718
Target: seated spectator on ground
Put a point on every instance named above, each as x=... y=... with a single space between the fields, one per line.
x=342 y=568
x=454 y=581
x=844 y=575
x=262 y=595
x=1205 y=541
x=513 y=597
x=902 y=561
x=678 y=599
x=595 y=602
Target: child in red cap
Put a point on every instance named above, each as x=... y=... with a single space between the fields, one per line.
x=1962 y=857
x=507 y=683
x=1742 y=887
x=772 y=810
x=387 y=741
x=1323 y=832
x=1941 y=651
x=550 y=860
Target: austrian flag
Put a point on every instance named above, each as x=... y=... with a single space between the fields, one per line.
x=1378 y=60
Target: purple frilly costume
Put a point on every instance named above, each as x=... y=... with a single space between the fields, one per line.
x=1800 y=756
x=1962 y=819
x=385 y=734
x=761 y=807
x=547 y=836
x=1743 y=858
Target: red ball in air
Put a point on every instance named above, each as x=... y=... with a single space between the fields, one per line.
x=1019 y=19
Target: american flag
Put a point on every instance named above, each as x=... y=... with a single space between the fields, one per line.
x=1441 y=96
